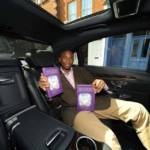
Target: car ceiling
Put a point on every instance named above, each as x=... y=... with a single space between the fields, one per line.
x=24 y=19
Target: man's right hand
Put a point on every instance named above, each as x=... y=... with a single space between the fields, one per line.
x=43 y=82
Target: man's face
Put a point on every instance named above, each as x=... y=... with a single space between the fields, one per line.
x=66 y=59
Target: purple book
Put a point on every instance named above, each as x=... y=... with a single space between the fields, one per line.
x=53 y=75
x=85 y=97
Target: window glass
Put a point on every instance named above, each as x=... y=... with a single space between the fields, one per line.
x=135 y=48
x=130 y=50
x=75 y=59
x=145 y=48
x=39 y=2
x=4 y=45
x=72 y=11
x=86 y=7
x=19 y=47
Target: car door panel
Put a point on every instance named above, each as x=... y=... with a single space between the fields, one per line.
x=125 y=84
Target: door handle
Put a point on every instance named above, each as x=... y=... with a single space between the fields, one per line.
x=53 y=138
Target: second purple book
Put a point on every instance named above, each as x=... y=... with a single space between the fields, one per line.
x=53 y=75
x=85 y=97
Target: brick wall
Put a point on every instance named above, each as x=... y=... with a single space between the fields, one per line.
x=50 y=6
x=97 y=6
x=59 y=8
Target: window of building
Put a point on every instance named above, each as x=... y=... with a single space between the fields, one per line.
x=135 y=48
x=86 y=7
x=145 y=48
x=126 y=51
x=72 y=11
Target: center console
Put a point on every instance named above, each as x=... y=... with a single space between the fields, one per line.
x=31 y=129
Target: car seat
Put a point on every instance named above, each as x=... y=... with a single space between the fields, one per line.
x=32 y=68
x=27 y=127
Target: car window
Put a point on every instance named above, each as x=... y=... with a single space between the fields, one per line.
x=70 y=10
x=20 y=47
x=131 y=50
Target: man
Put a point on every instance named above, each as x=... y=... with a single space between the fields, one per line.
x=89 y=123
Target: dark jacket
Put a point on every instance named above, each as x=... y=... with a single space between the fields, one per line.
x=68 y=97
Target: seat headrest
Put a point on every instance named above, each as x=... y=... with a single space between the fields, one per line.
x=41 y=59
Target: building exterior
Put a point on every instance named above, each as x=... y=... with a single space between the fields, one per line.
x=69 y=10
x=49 y=5
x=131 y=50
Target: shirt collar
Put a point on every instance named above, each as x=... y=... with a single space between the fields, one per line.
x=66 y=73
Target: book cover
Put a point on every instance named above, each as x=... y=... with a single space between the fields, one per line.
x=85 y=97
x=53 y=75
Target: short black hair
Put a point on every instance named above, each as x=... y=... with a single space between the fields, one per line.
x=62 y=51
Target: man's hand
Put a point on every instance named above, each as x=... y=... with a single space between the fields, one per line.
x=98 y=85
x=43 y=82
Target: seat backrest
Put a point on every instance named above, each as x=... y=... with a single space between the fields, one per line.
x=32 y=68
x=13 y=93
x=37 y=97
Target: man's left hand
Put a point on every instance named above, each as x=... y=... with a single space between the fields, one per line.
x=98 y=85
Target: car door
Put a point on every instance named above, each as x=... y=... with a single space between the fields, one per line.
x=108 y=59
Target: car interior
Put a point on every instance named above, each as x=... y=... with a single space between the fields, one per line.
x=30 y=39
